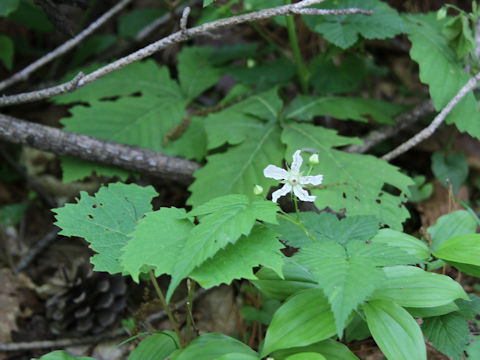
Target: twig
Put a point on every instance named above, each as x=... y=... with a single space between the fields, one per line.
x=174 y=38
x=429 y=130
x=183 y=20
x=94 y=149
x=62 y=49
x=348 y=11
x=402 y=121
x=59 y=343
x=35 y=250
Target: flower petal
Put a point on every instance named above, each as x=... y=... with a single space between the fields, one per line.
x=297 y=162
x=274 y=172
x=303 y=194
x=314 y=180
x=284 y=190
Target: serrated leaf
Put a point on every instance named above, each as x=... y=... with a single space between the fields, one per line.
x=348 y=179
x=305 y=108
x=224 y=225
x=156 y=242
x=469 y=309
x=456 y=223
x=448 y=333
x=158 y=346
x=106 y=220
x=464 y=249
x=302 y=320
x=346 y=280
x=333 y=350
x=396 y=333
x=432 y=53
x=410 y=286
x=260 y=247
x=380 y=254
x=406 y=242
x=344 y=30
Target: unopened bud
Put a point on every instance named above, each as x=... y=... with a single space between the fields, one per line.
x=313 y=159
x=441 y=13
x=258 y=190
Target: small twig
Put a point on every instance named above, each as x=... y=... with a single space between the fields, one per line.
x=429 y=130
x=174 y=38
x=348 y=11
x=402 y=121
x=60 y=343
x=62 y=49
x=184 y=20
x=35 y=250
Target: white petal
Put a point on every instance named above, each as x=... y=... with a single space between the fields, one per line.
x=281 y=192
x=297 y=162
x=314 y=180
x=302 y=194
x=274 y=172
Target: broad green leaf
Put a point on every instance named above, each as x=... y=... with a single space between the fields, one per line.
x=306 y=356
x=207 y=2
x=344 y=30
x=296 y=278
x=357 y=329
x=331 y=349
x=305 y=108
x=156 y=242
x=424 y=312
x=6 y=51
x=214 y=346
x=31 y=16
x=229 y=217
x=144 y=77
x=461 y=249
x=453 y=167
x=348 y=179
x=346 y=280
x=473 y=349
x=7 y=6
x=62 y=355
x=380 y=254
x=106 y=220
x=302 y=320
x=407 y=243
x=421 y=190
x=456 y=223
x=74 y=169
x=448 y=333
x=459 y=34
x=396 y=333
x=264 y=314
x=130 y=24
x=236 y=261
x=432 y=53
x=195 y=71
x=157 y=346
x=410 y=286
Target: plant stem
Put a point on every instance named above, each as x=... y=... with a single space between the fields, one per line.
x=301 y=68
x=165 y=307
x=190 y=323
x=298 y=223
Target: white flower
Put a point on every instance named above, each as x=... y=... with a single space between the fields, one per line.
x=292 y=179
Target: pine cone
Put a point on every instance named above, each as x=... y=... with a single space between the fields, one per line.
x=88 y=306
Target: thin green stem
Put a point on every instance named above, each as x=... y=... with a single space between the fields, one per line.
x=295 y=201
x=165 y=307
x=292 y=36
x=190 y=322
x=298 y=223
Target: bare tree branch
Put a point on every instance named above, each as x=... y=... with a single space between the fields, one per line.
x=94 y=149
x=62 y=49
x=174 y=38
x=429 y=130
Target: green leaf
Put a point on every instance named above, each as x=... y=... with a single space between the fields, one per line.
x=62 y=355
x=348 y=182
x=7 y=6
x=410 y=286
x=6 y=51
x=460 y=35
x=306 y=356
x=421 y=190
x=195 y=72
x=469 y=309
x=236 y=261
x=357 y=329
x=106 y=220
x=432 y=53
x=396 y=333
x=461 y=249
x=228 y=218
x=473 y=349
x=407 y=243
x=156 y=242
x=157 y=346
x=130 y=24
x=331 y=349
x=10 y=215
x=93 y=45
x=453 y=167
x=456 y=223
x=305 y=108
x=264 y=314
x=214 y=346
x=346 y=280
x=207 y=2
x=424 y=312
x=448 y=333
x=31 y=16
x=344 y=30
x=302 y=320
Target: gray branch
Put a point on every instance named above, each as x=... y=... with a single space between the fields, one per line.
x=62 y=49
x=94 y=149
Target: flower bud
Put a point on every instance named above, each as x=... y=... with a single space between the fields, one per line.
x=441 y=13
x=313 y=159
x=258 y=190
